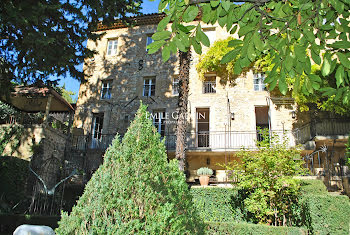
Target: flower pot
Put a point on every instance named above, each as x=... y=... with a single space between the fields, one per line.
x=204 y=180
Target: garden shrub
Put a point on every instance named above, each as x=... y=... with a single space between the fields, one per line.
x=326 y=214
x=245 y=228
x=216 y=204
x=313 y=187
x=135 y=191
x=267 y=177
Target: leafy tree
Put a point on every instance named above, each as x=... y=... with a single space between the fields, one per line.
x=42 y=38
x=295 y=34
x=135 y=191
x=67 y=95
x=266 y=178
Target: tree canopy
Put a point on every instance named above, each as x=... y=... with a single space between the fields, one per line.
x=294 y=33
x=44 y=38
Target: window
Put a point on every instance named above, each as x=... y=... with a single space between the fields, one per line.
x=112 y=47
x=211 y=34
x=175 y=85
x=259 y=84
x=159 y=121
x=149 y=86
x=96 y=130
x=106 y=91
x=149 y=40
x=209 y=85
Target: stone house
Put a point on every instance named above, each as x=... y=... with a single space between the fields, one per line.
x=222 y=117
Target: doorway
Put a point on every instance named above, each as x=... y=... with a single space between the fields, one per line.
x=262 y=120
x=202 y=126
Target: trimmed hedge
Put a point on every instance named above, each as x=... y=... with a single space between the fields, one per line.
x=313 y=187
x=317 y=211
x=214 y=204
x=326 y=214
x=245 y=228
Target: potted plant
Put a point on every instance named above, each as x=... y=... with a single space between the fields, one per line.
x=204 y=173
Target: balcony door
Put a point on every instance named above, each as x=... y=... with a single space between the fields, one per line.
x=96 y=130
x=262 y=120
x=202 y=126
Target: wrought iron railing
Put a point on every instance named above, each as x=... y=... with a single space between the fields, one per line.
x=230 y=140
x=98 y=142
x=209 y=87
x=234 y=140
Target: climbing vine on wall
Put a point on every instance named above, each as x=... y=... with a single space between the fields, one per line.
x=10 y=134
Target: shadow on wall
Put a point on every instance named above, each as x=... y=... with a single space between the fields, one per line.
x=126 y=70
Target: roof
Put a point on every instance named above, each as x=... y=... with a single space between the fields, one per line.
x=146 y=19
x=40 y=93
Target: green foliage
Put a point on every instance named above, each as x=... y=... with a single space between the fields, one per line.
x=315 y=209
x=67 y=95
x=6 y=111
x=135 y=191
x=211 y=61
x=267 y=178
x=315 y=187
x=43 y=38
x=293 y=33
x=13 y=176
x=326 y=214
x=214 y=204
x=10 y=134
x=320 y=212
x=245 y=228
x=204 y=171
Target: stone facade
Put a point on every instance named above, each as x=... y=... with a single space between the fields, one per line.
x=234 y=111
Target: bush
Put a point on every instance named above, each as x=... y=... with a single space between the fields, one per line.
x=135 y=190
x=266 y=176
x=214 y=204
x=245 y=228
x=326 y=214
x=313 y=187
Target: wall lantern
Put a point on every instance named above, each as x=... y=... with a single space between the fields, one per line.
x=208 y=161
x=232 y=116
x=294 y=114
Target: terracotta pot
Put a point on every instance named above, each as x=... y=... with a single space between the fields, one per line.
x=204 y=180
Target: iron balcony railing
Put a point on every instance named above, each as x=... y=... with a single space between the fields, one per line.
x=234 y=140
x=230 y=140
x=98 y=142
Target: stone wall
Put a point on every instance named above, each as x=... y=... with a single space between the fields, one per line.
x=128 y=68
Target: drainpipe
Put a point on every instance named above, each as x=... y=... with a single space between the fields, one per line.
x=268 y=101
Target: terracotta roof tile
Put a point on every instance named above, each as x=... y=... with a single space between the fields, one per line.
x=146 y=19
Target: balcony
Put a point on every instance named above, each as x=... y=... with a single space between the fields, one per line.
x=230 y=141
x=85 y=142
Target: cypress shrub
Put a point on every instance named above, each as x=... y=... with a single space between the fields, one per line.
x=135 y=191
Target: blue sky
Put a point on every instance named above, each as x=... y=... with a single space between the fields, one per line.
x=73 y=84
